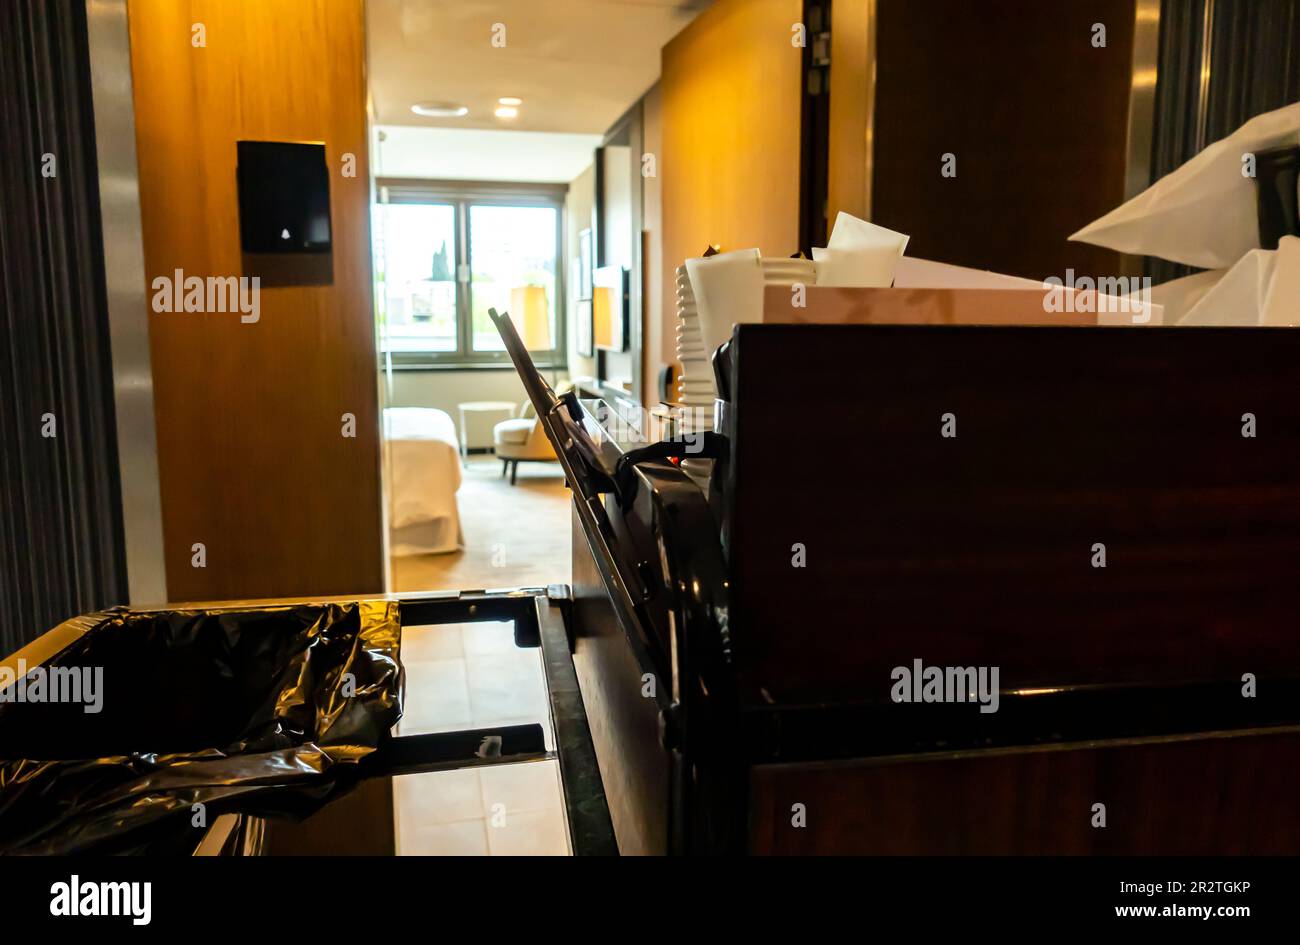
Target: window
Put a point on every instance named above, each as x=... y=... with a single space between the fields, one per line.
x=446 y=253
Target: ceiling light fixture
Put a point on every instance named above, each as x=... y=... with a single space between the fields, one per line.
x=506 y=111
x=510 y=100
x=440 y=109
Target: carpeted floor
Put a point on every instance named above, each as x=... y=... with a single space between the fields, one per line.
x=515 y=536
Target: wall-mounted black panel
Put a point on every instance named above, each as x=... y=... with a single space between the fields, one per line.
x=284 y=197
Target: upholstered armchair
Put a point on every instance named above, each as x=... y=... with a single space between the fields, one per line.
x=521 y=439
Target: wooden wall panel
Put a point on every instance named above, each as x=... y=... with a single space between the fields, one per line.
x=1035 y=114
x=978 y=550
x=730 y=164
x=852 y=96
x=659 y=337
x=635 y=772
x=251 y=456
x=1209 y=795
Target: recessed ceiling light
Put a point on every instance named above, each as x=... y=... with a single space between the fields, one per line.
x=510 y=100
x=440 y=109
x=506 y=111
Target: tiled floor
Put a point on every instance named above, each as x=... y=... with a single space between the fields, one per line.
x=468 y=676
x=500 y=810
x=472 y=675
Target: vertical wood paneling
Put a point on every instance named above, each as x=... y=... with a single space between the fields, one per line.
x=1198 y=796
x=853 y=72
x=730 y=165
x=659 y=338
x=1035 y=115
x=251 y=456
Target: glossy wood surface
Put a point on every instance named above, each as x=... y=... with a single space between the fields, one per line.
x=1208 y=795
x=978 y=549
x=252 y=458
x=634 y=768
x=1035 y=116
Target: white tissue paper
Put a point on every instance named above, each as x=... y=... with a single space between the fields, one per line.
x=1282 y=306
x=1202 y=214
x=1262 y=289
x=1237 y=298
x=859 y=254
x=1179 y=296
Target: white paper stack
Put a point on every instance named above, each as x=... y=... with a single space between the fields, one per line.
x=730 y=291
x=696 y=385
x=777 y=270
x=716 y=293
x=727 y=289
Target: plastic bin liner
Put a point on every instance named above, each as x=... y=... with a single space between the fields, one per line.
x=258 y=710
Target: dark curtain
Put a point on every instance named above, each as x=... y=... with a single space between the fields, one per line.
x=1254 y=60
x=1254 y=68
x=60 y=515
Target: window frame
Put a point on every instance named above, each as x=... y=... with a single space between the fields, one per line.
x=462 y=195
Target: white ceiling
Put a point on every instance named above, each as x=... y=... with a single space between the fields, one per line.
x=474 y=154
x=577 y=64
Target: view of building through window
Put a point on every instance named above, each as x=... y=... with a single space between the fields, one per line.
x=510 y=248
x=415 y=269
x=419 y=252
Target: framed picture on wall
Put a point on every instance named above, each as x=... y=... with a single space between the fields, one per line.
x=584 y=264
x=585 y=346
x=610 y=308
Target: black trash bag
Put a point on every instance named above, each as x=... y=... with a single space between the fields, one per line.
x=257 y=710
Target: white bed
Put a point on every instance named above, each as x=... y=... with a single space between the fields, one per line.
x=424 y=474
